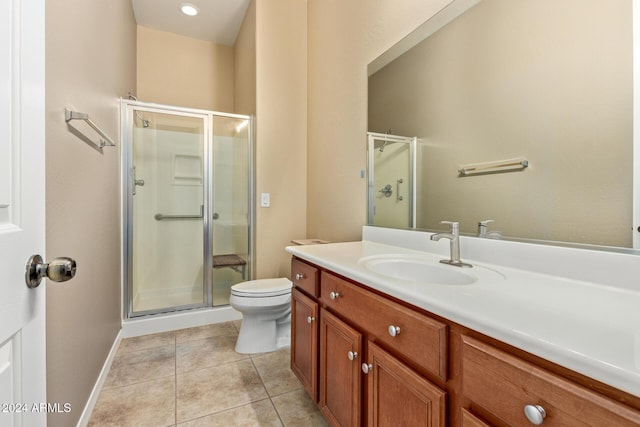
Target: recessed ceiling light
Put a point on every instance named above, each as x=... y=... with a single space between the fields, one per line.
x=188 y=9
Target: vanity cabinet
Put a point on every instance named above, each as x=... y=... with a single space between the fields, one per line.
x=469 y=420
x=373 y=354
x=369 y=359
x=416 y=337
x=506 y=387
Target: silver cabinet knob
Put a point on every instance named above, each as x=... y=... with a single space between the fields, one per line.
x=59 y=270
x=334 y=295
x=352 y=355
x=299 y=276
x=535 y=414
x=394 y=330
x=366 y=367
x=310 y=319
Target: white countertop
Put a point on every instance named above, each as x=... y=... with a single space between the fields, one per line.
x=590 y=328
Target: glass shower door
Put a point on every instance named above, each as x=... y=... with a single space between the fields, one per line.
x=167 y=206
x=231 y=204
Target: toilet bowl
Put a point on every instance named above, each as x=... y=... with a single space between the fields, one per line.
x=265 y=305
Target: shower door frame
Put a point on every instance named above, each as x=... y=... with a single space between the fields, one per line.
x=127 y=108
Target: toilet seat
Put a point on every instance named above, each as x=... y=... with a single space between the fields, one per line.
x=262 y=288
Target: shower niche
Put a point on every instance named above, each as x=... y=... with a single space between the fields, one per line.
x=187 y=185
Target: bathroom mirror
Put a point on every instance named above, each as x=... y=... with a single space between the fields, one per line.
x=545 y=84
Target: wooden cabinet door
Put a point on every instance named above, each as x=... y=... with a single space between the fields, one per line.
x=398 y=396
x=340 y=377
x=304 y=341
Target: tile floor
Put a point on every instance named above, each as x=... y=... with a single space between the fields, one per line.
x=194 y=378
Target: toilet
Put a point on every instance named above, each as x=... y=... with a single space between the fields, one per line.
x=265 y=305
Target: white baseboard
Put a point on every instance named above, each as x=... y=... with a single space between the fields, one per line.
x=179 y=320
x=93 y=397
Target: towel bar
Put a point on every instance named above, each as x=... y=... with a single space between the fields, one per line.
x=105 y=141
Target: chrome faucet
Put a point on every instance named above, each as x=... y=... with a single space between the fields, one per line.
x=483 y=230
x=454 y=243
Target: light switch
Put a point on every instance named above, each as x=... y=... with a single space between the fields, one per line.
x=265 y=200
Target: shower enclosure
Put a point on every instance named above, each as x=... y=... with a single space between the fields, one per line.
x=188 y=210
x=391 y=194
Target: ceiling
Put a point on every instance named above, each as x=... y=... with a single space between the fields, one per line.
x=218 y=20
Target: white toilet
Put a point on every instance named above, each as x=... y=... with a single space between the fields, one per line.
x=265 y=305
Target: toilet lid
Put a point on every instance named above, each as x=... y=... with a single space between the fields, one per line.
x=262 y=287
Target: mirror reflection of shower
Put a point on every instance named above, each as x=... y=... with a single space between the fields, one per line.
x=391 y=180
x=385 y=141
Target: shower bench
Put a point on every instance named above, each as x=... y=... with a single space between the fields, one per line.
x=233 y=261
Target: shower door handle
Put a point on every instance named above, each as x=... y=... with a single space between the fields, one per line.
x=136 y=182
x=59 y=270
x=215 y=215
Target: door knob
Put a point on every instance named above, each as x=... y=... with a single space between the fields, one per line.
x=59 y=270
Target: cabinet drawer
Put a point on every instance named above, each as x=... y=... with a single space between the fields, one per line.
x=503 y=385
x=417 y=337
x=305 y=277
x=469 y=420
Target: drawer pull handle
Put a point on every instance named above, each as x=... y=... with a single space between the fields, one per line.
x=394 y=330
x=366 y=367
x=352 y=355
x=535 y=414
x=299 y=276
x=334 y=295
x=310 y=319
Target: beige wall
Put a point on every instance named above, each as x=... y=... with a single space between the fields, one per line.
x=343 y=37
x=553 y=88
x=90 y=63
x=244 y=65
x=281 y=99
x=182 y=71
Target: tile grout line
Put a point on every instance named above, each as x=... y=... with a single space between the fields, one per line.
x=253 y=358
x=265 y=388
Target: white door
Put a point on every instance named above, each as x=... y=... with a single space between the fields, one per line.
x=22 y=190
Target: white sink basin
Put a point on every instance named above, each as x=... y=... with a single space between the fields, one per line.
x=428 y=271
